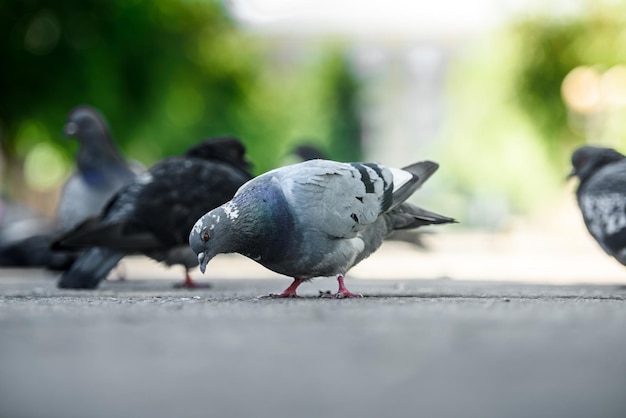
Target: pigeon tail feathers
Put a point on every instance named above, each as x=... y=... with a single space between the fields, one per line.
x=421 y=172
x=409 y=216
x=90 y=269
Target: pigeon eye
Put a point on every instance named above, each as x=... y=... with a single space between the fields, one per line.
x=205 y=237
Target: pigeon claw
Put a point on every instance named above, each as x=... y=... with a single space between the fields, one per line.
x=284 y=295
x=346 y=295
x=339 y=295
x=189 y=283
x=290 y=292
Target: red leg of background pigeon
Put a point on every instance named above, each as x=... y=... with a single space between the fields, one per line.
x=290 y=292
x=190 y=284
x=343 y=292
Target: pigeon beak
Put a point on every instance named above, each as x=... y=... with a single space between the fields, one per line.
x=202 y=261
x=571 y=174
x=70 y=129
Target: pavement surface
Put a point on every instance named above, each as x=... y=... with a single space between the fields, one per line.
x=409 y=348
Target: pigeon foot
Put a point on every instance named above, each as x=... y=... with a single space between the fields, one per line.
x=290 y=292
x=284 y=295
x=340 y=295
x=188 y=283
x=343 y=292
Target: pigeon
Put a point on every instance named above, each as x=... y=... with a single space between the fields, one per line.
x=601 y=196
x=154 y=214
x=25 y=238
x=309 y=152
x=100 y=169
x=315 y=218
x=100 y=172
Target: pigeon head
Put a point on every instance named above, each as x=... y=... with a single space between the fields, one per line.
x=588 y=159
x=227 y=149
x=84 y=122
x=97 y=154
x=207 y=237
x=309 y=152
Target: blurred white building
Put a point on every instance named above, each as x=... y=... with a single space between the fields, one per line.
x=401 y=49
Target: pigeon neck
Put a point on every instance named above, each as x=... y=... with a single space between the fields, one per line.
x=588 y=172
x=266 y=224
x=98 y=160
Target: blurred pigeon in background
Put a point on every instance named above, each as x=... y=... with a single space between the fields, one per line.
x=100 y=169
x=25 y=238
x=316 y=218
x=309 y=152
x=100 y=172
x=154 y=214
x=601 y=196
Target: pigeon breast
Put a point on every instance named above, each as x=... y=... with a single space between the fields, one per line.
x=602 y=201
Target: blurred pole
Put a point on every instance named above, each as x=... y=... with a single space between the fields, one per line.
x=403 y=98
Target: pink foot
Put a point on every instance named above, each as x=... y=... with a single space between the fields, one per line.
x=188 y=283
x=290 y=292
x=342 y=293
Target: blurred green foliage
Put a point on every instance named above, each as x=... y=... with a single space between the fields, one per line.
x=167 y=74
x=510 y=135
x=493 y=156
x=549 y=50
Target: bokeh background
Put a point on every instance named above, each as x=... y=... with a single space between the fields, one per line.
x=498 y=92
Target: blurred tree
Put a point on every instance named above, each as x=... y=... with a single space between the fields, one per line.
x=550 y=50
x=509 y=136
x=165 y=74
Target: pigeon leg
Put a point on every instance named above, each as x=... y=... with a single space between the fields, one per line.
x=188 y=283
x=290 y=292
x=342 y=293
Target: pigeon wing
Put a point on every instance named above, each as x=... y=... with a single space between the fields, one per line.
x=603 y=205
x=605 y=217
x=340 y=199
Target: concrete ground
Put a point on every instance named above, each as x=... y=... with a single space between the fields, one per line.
x=449 y=347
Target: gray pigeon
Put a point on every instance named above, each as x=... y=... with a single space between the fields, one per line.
x=601 y=196
x=100 y=169
x=315 y=218
x=154 y=214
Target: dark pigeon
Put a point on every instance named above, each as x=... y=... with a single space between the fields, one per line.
x=154 y=214
x=315 y=218
x=601 y=196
